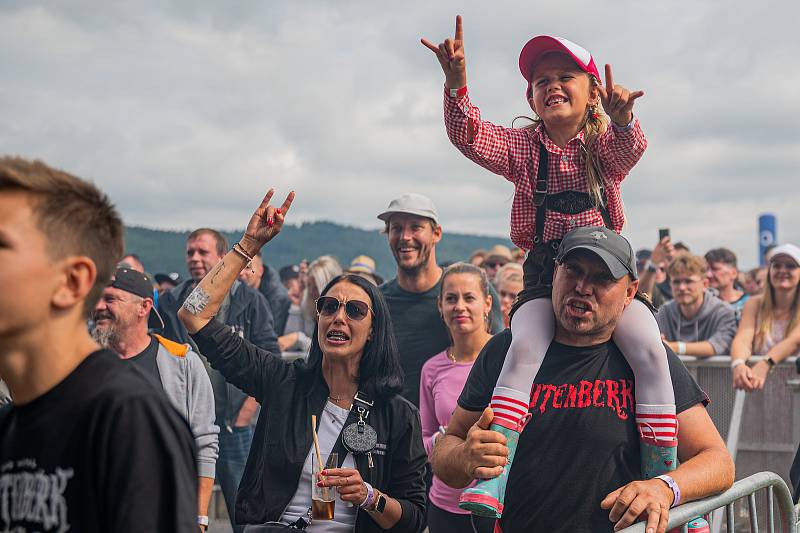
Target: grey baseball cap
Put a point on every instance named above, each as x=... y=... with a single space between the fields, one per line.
x=413 y=204
x=614 y=249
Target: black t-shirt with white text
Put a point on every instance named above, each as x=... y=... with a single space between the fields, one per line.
x=101 y=451
x=581 y=442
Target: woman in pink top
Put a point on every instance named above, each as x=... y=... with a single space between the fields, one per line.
x=770 y=322
x=465 y=305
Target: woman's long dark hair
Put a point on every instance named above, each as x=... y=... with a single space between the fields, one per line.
x=379 y=372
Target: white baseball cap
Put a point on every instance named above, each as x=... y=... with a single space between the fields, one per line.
x=413 y=204
x=785 y=249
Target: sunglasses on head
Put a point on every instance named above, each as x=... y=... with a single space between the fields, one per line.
x=354 y=309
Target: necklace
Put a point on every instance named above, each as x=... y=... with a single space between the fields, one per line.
x=450 y=355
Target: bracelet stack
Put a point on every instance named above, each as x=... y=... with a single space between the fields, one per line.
x=237 y=248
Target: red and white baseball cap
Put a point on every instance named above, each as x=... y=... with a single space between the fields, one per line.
x=541 y=44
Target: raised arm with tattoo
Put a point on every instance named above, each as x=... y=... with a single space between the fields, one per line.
x=203 y=303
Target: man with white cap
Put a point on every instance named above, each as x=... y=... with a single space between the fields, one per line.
x=121 y=318
x=413 y=230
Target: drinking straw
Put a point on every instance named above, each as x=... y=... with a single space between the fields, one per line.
x=316 y=442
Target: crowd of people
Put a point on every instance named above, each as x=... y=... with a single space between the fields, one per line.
x=521 y=388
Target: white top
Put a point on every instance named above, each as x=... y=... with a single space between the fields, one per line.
x=330 y=425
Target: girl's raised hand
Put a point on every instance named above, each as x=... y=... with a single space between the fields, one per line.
x=265 y=223
x=617 y=100
x=450 y=54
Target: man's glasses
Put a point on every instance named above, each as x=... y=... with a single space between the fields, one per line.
x=354 y=309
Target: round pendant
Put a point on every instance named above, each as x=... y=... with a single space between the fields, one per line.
x=359 y=438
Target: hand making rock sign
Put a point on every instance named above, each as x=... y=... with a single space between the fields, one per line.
x=450 y=54
x=617 y=100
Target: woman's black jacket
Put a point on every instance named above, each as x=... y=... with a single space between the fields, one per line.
x=289 y=394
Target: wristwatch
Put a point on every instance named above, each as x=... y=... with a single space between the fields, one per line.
x=770 y=363
x=380 y=505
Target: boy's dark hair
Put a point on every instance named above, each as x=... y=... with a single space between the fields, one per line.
x=75 y=217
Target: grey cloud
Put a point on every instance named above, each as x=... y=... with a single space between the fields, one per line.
x=186 y=111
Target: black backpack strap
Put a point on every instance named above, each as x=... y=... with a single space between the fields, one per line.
x=540 y=194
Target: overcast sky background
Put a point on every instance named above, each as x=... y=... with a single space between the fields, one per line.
x=184 y=112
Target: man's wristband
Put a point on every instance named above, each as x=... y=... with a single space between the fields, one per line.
x=737 y=362
x=681 y=348
x=202 y=520
x=676 y=491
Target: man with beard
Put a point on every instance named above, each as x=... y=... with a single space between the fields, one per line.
x=245 y=311
x=121 y=318
x=577 y=462
x=413 y=230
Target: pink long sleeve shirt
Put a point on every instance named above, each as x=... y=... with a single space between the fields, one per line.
x=441 y=382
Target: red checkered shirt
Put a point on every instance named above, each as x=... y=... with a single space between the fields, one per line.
x=513 y=153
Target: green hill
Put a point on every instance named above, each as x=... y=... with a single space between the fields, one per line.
x=163 y=251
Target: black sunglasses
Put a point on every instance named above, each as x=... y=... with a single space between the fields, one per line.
x=354 y=309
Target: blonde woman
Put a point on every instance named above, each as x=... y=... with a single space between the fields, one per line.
x=769 y=324
x=301 y=321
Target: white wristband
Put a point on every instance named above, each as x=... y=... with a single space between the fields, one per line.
x=681 y=348
x=737 y=362
x=202 y=520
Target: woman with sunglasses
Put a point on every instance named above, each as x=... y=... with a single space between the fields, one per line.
x=353 y=351
x=465 y=305
x=770 y=323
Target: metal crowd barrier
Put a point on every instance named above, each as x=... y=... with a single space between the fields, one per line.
x=767 y=483
x=761 y=431
x=762 y=428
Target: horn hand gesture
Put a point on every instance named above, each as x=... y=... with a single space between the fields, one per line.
x=450 y=54
x=265 y=223
x=617 y=100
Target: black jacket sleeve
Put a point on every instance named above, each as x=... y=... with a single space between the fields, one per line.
x=240 y=361
x=407 y=484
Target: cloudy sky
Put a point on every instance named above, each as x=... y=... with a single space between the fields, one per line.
x=186 y=111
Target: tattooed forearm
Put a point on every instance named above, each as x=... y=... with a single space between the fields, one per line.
x=217 y=269
x=197 y=301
